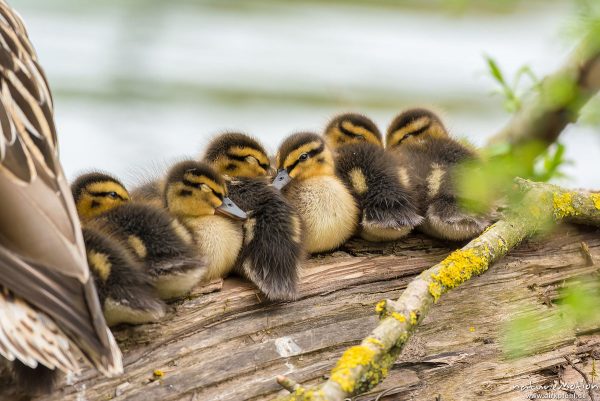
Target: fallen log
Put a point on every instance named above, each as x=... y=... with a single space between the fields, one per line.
x=229 y=345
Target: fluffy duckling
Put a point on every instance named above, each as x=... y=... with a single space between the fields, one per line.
x=163 y=245
x=306 y=175
x=388 y=207
x=237 y=155
x=197 y=195
x=272 y=249
x=126 y=292
x=422 y=144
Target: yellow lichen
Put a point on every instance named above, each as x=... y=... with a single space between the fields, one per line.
x=380 y=307
x=399 y=317
x=563 y=205
x=375 y=342
x=413 y=318
x=302 y=394
x=457 y=268
x=435 y=289
x=596 y=200
x=158 y=374
x=472 y=329
x=354 y=357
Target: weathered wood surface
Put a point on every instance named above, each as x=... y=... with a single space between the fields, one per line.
x=228 y=345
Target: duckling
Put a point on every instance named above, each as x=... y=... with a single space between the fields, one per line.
x=163 y=245
x=125 y=291
x=150 y=192
x=306 y=176
x=197 y=195
x=388 y=207
x=422 y=144
x=237 y=155
x=272 y=249
x=49 y=311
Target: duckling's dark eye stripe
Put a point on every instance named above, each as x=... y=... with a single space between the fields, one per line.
x=243 y=159
x=310 y=154
x=349 y=133
x=189 y=183
x=416 y=132
x=198 y=185
x=107 y=193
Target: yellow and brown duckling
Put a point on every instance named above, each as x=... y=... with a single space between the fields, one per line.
x=197 y=195
x=126 y=292
x=423 y=146
x=161 y=244
x=235 y=154
x=306 y=176
x=389 y=210
x=272 y=251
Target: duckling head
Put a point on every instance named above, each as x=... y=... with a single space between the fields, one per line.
x=194 y=189
x=238 y=155
x=301 y=156
x=96 y=193
x=352 y=128
x=415 y=126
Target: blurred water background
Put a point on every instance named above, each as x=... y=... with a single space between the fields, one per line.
x=140 y=83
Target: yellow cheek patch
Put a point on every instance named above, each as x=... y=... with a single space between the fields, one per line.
x=108 y=186
x=358 y=181
x=358 y=130
x=295 y=154
x=138 y=246
x=100 y=264
x=396 y=136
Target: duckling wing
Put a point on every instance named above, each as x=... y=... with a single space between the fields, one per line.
x=42 y=258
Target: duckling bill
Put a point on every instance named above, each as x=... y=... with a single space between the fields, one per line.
x=272 y=250
x=420 y=141
x=389 y=209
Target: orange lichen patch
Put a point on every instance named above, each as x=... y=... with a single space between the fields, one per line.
x=457 y=268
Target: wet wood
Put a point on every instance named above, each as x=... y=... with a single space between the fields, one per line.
x=226 y=343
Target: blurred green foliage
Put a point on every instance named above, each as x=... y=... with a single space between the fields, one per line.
x=512 y=91
x=574 y=310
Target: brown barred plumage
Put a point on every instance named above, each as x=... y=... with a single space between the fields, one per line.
x=49 y=311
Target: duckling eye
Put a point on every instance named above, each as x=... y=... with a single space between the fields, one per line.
x=303 y=156
x=361 y=138
x=112 y=195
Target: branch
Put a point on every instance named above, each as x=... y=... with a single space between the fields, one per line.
x=561 y=97
x=363 y=366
